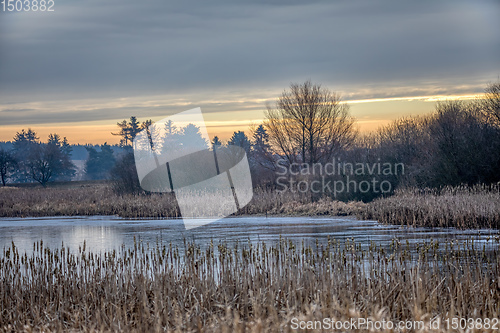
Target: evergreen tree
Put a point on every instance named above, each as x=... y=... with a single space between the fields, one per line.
x=216 y=141
x=129 y=130
x=240 y=139
x=24 y=144
x=66 y=169
x=99 y=163
x=261 y=140
x=191 y=137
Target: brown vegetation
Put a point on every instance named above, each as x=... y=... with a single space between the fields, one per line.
x=459 y=207
x=98 y=198
x=245 y=287
x=86 y=199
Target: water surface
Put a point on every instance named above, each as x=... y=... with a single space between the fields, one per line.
x=103 y=233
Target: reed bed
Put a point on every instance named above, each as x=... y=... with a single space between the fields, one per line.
x=300 y=204
x=460 y=207
x=245 y=287
x=84 y=200
x=99 y=199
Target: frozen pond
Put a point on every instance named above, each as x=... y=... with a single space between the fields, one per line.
x=102 y=233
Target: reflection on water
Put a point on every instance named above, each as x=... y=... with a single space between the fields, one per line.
x=107 y=233
x=55 y=232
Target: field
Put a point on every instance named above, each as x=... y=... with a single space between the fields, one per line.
x=247 y=287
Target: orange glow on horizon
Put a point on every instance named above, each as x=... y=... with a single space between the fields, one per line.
x=76 y=134
x=370 y=114
x=98 y=134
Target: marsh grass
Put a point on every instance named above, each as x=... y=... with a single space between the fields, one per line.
x=100 y=199
x=245 y=287
x=84 y=200
x=460 y=207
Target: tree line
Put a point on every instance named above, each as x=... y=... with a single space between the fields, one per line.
x=458 y=143
x=26 y=159
x=173 y=137
x=31 y=160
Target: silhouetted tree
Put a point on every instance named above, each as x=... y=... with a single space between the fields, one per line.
x=48 y=162
x=216 y=141
x=465 y=148
x=24 y=144
x=129 y=130
x=66 y=170
x=170 y=128
x=491 y=103
x=240 y=139
x=260 y=140
x=190 y=136
x=7 y=165
x=405 y=140
x=66 y=148
x=309 y=123
x=261 y=158
x=124 y=175
x=99 y=163
x=452 y=146
x=261 y=149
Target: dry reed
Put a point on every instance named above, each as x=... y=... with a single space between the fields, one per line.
x=245 y=287
x=99 y=199
x=460 y=207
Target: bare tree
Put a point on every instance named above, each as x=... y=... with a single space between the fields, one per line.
x=7 y=165
x=309 y=123
x=465 y=148
x=491 y=103
x=47 y=162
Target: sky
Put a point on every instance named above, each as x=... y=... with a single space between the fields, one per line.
x=78 y=70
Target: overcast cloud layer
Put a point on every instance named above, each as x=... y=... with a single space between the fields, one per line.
x=117 y=49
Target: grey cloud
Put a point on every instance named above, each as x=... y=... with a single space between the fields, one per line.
x=16 y=110
x=64 y=115
x=121 y=48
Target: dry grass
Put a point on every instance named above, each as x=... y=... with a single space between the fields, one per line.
x=293 y=203
x=245 y=288
x=99 y=199
x=85 y=200
x=460 y=207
